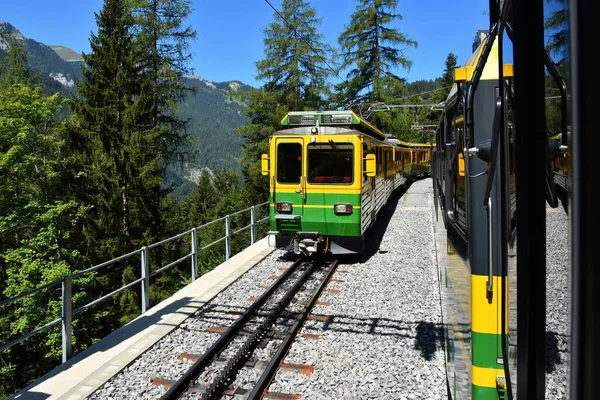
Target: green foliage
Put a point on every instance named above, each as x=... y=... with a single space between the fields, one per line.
x=40 y=224
x=15 y=70
x=295 y=79
x=213 y=113
x=398 y=121
x=556 y=27
x=446 y=82
x=291 y=66
x=118 y=167
x=42 y=61
x=370 y=49
x=265 y=110
x=79 y=192
x=556 y=33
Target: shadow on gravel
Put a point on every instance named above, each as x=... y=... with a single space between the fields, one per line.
x=374 y=235
x=429 y=336
x=552 y=351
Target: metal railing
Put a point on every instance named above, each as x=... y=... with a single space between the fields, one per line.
x=66 y=282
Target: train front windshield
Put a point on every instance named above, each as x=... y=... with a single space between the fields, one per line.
x=330 y=163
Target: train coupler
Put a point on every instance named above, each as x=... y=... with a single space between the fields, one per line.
x=307 y=242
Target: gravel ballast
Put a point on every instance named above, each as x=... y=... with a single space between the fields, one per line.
x=381 y=340
x=558 y=303
x=383 y=335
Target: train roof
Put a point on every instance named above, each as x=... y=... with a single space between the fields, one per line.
x=490 y=70
x=345 y=118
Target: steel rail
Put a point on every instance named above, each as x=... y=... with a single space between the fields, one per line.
x=237 y=361
x=269 y=372
x=196 y=369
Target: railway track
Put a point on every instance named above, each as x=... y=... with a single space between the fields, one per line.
x=268 y=327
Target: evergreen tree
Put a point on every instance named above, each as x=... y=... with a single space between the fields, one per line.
x=162 y=50
x=556 y=32
x=557 y=39
x=40 y=222
x=203 y=199
x=291 y=65
x=446 y=82
x=265 y=110
x=295 y=79
x=15 y=70
x=370 y=50
x=106 y=131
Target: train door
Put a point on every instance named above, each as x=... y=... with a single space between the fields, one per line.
x=289 y=187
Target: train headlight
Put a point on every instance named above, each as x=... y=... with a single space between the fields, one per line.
x=284 y=207
x=342 y=209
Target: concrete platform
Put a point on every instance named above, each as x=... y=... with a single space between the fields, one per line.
x=90 y=369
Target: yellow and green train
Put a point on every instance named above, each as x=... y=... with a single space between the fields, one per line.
x=330 y=173
x=479 y=311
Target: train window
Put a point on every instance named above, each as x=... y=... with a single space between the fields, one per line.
x=330 y=163
x=289 y=162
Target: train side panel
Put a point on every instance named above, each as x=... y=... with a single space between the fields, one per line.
x=474 y=282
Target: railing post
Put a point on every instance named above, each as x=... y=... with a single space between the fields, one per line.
x=252 y=225
x=145 y=280
x=227 y=237
x=67 y=318
x=194 y=254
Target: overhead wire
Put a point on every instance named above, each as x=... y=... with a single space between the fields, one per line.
x=325 y=61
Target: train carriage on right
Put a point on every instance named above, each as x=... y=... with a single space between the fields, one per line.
x=474 y=180
x=473 y=304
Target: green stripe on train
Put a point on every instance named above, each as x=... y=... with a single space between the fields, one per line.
x=317 y=219
x=487 y=348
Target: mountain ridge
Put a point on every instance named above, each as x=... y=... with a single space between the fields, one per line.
x=213 y=114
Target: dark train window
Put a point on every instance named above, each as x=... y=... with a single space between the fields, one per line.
x=331 y=162
x=289 y=162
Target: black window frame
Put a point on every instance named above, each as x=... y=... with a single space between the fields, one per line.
x=278 y=163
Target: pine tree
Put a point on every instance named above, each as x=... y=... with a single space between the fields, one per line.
x=265 y=109
x=446 y=82
x=105 y=130
x=295 y=56
x=203 y=199
x=370 y=50
x=162 y=50
x=294 y=79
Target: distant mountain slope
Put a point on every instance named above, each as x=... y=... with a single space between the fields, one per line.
x=67 y=54
x=56 y=73
x=213 y=116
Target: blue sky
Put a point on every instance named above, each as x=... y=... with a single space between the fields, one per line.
x=230 y=32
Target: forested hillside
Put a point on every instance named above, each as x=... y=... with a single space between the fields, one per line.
x=212 y=113
x=213 y=116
